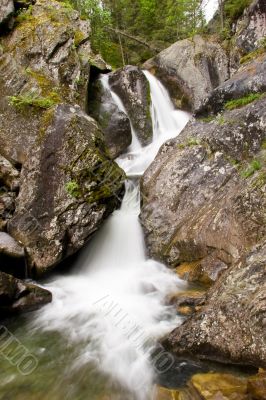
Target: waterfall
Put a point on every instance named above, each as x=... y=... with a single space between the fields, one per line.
x=113 y=306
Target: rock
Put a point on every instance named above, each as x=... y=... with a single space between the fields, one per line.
x=6 y=11
x=10 y=247
x=229 y=328
x=187 y=302
x=214 y=386
x=204 y=186
x=250 y=78
x=251 y=27
x=18 y=296
x=9 y=176
x=257 y=386
x=190 y=69
x=131 y=85
x=44 y=61
x=7 y=206
x=113 y=122
x=205 y=271
x=68 y=187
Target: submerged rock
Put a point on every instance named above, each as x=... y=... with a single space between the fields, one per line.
x=68 y=187
x=230 y=326
x=18 y=296
x=113 y=122
x=131 y=85
x=190 y=70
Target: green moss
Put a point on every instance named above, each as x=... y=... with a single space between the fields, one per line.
x=73 y=189
x=193 y=142
x=31 y=100
x=263 y=145
x=207 y=119
x=78 y=38
x=232 y=104
x=252 y=55
x=254 y=166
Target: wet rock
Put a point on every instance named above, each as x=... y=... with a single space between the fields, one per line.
x=131 y=85
x=251 y=27
x=250 y=78
x=18 y=296
x=187 y=302
x=257 y=386
x=205 y=271
x=220 y=386
x=69 y=186
x=44 y=61
x=9 y=176
x=6 y=11
x=201 y=190
x=229 y=327
x=9 y=247
x=113 y=122
x=190 y=70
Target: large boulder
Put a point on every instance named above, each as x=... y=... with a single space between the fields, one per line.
x=249 y=79
x=18 y=296
x=251 y=27
x=12 y=256
x=231 y=325
x=112 y=120
x=6 y=11
x=190 y=69
x=69 y=186
x=131 y=85
x=44 y=61
x=203 y=197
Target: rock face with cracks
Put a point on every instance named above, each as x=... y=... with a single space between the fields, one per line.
x=84 y=184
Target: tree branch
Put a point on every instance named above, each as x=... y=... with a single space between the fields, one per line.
x=136 y=39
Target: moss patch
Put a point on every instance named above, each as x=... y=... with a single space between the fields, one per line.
x=31 y=100
x=243 y=101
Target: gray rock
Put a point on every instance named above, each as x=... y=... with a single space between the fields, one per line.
x=190 y=70
x=9 y=176
x=201 y=195
x=251 y=27
x=18 y=296
x=6 y=11
x=230 y=327
x=113 y=122
x=250 y=78
x=44 y=61
x=131 y=85
x=7 y=206
x=10 y=247
x=68 y=187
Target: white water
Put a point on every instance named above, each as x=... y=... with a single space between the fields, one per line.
x=113 y=307
x=167 y=123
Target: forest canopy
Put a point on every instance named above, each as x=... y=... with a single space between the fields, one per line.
x=131 y=31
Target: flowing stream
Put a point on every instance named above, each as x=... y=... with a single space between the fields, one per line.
x=107 y=315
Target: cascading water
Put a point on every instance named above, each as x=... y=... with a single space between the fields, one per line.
x=112 y=310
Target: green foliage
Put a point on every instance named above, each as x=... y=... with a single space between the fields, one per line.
x=254 y=166
x=234 y=8
x=73 y=189
x=32 y=100
x=156 y=22
x=232 y=104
